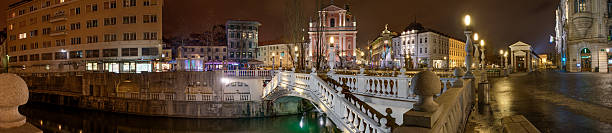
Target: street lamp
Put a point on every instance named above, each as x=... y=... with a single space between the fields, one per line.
x=468 y=44
x=475 y=36
x=501 y=58
x=273 y=54
x=483 y=62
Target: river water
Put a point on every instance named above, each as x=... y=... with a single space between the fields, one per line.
x=558 y=102
x=51 y=119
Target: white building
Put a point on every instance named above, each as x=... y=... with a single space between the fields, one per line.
x=423 y=47
x=584 y=35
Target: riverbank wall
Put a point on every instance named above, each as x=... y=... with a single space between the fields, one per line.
x=171 y=94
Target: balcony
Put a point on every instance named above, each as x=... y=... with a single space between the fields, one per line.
x=58 y=33
x=57 y=18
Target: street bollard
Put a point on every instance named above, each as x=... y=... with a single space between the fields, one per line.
x=483 y=96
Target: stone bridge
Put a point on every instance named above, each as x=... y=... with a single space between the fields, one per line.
x=379 y=104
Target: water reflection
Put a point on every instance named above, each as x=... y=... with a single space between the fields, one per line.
x=53 y=119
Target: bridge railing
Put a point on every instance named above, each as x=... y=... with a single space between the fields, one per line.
x=399 y=87
x=358 y=114
x=146 y=96
x=247 y=73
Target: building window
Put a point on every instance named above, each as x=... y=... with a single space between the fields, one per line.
x=24 y=47
x=110 y=4
x=92 y=23
x=76 y=54
x=33 y=33
x=609 y=8
x=129 y=36
x=332 y=22
x=109 y=52
x=60 y=42
x=129 y=19
x=129 y=52
x=110 y=21
x=129 y=3
x=149 y=52
x=46 y=31
x=92 y=39
x=75 y=26
x=149 y=18
x=76 y=40
x=149 y=36
x=46 y=44
x=23 y=58
x=110 y=37
x=92 y=53
x=34 y=45
x=61 y=56
x=579 y=6
x=34 y=57
x=23 y=35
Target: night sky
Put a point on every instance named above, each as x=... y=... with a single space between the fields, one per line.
x=499 y=22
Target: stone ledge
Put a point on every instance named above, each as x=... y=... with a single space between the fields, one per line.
x=25 y=128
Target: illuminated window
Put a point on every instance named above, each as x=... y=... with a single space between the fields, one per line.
x=23 y=35
x=579 y=6
x=10 y=27
x=61 y=1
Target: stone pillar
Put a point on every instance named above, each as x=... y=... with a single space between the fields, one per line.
x=404 y=90
x=14 y=92
x=528 y=61
x=425 y=112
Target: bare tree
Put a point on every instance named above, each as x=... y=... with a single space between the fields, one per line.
x=296 y=22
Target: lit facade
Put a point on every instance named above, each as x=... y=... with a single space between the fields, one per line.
x=242 y=41
x=423 y=47
x=335 y=24
x=584 y=35
x=84 y=35
x=278 y=55
x=456 y=53
x=202 y=58
x=381 y=49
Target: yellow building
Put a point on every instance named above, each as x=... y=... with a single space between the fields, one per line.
x=456 y=53
x=278 y=55
x=84 y=35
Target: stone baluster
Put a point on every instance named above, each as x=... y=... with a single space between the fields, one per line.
x=14 y=92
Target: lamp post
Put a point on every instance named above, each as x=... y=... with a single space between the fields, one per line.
x=468 y=44
x=501 y=58
x=483 y=62
x=476 y=51
x=273 y=54
x=506 y=62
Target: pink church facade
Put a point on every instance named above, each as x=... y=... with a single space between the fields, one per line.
x=338 y=28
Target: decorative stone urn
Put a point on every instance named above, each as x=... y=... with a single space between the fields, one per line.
x=14 y=92
x=426 y=84
x=583 y=22
x=458 y=73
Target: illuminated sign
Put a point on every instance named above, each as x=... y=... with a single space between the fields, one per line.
x=563 y=59
x=585 y=56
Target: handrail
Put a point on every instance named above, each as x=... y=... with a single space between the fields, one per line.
x=365 y=107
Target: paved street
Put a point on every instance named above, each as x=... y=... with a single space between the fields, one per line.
x=557 y=102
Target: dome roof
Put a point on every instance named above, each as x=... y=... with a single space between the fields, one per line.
x=414 y=26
